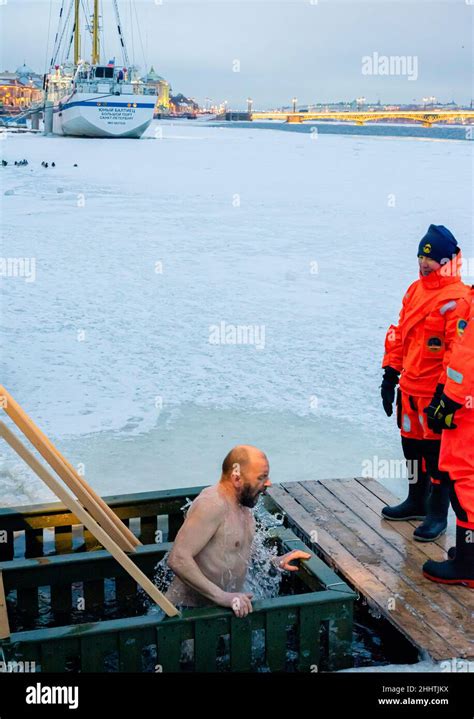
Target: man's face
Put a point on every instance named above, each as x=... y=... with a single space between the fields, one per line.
x=427 y=265
x=255 y=480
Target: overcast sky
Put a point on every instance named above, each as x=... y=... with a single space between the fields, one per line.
x=310 y=49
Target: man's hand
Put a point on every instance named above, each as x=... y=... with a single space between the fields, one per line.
x=387 y=389
x=239 y=602
x=441 y=414
x=284 y=561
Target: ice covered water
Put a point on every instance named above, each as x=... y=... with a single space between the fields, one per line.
x=153 y=242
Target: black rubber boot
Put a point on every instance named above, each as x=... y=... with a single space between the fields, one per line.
x=459 y=570
x=436 y=521
x=414 y=506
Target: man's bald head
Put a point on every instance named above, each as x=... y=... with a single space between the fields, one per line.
x=246 y=471
x=240 y=457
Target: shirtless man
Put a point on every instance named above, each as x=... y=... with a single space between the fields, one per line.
x=211 y=552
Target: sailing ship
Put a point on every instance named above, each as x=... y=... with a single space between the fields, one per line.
x=92 y=99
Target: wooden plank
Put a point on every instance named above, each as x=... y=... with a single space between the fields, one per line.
x=94 y=594
x=321 y=574
x=33 y=543
x=431 y=550
x=148 y=529
x=55 y=656
x=174 y=524
x=130 y=651
x=309 y=645
x=402 y=577
x=88 y=521
x=384 y=496
x=360 y=574
x=393 y=547
x=63 y=539
x=91 y=501
x=4 y=624
x=23 y=652
x=340 y=639
x=206 y=635
x=137 y=504
x=240 y=644
x=68 y=568
x=276 y=639
x=93 y=652
x=169 y=646
x=92 y=544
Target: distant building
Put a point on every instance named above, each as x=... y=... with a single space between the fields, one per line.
x=162 y=90
x=20 y=89
x=181 y=105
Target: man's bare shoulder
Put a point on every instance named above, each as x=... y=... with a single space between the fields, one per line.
x=210 y=503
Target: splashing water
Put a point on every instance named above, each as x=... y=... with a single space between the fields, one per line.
x=263 y=577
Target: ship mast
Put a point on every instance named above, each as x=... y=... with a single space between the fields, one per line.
x=77 y=38
x=95 y=35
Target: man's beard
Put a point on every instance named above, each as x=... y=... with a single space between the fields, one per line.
x=248 y=498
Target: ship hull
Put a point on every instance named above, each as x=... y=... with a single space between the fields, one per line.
x=89 y=115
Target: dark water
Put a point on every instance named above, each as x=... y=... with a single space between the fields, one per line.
x=436 y=132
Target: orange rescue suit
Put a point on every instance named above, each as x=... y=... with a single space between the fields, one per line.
x=457 y=445
x=433 y=315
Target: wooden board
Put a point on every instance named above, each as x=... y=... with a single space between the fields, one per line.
x=89 y=522
x=382 y=561
x=91 y=501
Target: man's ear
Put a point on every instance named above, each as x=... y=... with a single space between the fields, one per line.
x=235 y=474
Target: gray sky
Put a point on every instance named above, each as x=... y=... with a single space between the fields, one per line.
x=305 y=48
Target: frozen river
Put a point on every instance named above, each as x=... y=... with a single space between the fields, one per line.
x=207 y=286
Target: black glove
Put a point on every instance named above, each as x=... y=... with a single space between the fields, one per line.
x=432 y=407
x=440 y=412
x=387 y=389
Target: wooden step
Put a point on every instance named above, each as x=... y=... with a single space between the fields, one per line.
x=382 y=560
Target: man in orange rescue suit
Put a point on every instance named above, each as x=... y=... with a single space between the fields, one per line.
x=417 y=350
x=454 y=416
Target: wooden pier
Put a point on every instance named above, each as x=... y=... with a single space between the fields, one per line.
x=381 y=560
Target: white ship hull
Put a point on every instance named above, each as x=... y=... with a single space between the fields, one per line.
x=99 y=115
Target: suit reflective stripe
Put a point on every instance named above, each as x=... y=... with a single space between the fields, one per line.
x=451 y=305
x=456 y=376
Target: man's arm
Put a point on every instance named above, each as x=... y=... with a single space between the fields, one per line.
x=459 y=384
x=456 y=322
x=393 y=355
